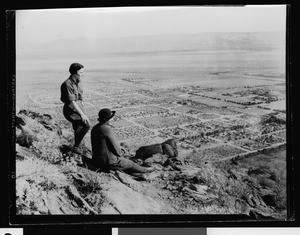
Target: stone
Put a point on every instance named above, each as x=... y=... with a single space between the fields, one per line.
x=145 y=152
x=269 y=200
x=168 y=148
x=156 y=158
x=19 y=122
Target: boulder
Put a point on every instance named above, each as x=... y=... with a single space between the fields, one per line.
x=269 y=200
x=168 y=148
x=156 y=158
x=145 y=152
x=19 y=122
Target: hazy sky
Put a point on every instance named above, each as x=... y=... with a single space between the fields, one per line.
x=49 y=25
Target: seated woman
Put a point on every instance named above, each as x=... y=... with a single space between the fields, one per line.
x=107 y=154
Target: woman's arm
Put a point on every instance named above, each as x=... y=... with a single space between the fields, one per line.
x=81 y=113
x=68 y=96
x=115 y=149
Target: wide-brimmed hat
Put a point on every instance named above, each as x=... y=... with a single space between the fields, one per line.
x=105 y=114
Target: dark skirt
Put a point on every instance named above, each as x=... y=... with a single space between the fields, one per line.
x=70 y=113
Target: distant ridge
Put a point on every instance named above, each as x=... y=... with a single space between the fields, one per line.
x=255 y=41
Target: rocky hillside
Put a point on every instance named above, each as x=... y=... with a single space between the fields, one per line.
x=49 y=180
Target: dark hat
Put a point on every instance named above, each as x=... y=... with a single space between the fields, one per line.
x=105 y=114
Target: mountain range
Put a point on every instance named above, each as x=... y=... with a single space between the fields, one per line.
x=254 y=41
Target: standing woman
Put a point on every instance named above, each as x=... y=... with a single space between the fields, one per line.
x=73 y=110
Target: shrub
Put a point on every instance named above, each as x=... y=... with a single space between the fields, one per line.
x=47 y=147
x=89 y=183
x=259 y=170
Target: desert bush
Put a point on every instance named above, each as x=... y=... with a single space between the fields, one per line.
x=214 y=178
x=279 y=188
x=89 y=183
x=25 y=199
x=259 y=170
x=69 y=165
x=237 y=188
x=95 y=200
x=25 y=138
x=272 y=118
x=47 y=148
x=219 y=179
x=280 y=197
x=275 y=181
x=278 y=175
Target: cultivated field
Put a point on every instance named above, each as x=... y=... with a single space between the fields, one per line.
x=221 y=106
x=226 y=112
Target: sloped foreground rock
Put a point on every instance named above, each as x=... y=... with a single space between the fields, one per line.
x=43 y=188
x=126 y=200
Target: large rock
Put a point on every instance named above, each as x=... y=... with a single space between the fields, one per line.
x=156 y=158
x=168 y=148
x=145 y=152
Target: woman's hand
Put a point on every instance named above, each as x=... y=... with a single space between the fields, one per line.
x=84 y=118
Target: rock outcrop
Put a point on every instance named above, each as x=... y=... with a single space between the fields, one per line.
x=45 y=119
x=168 y=148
